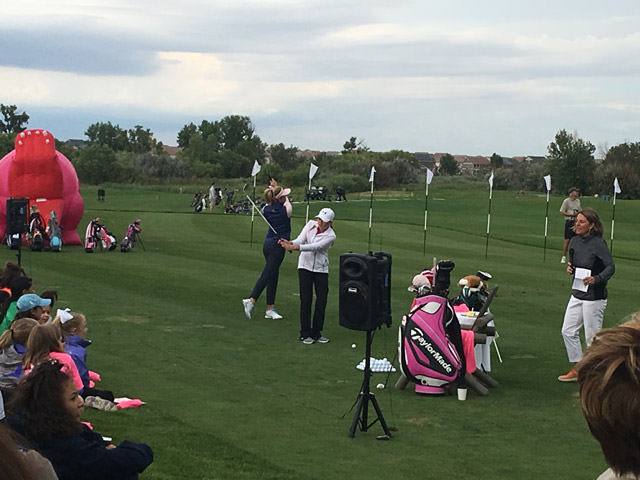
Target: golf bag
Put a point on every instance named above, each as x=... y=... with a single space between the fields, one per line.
x=97 y=236
x=37 y=232
x=55 y=233
x=430 y=342
x=199 y=202
x=129 y=239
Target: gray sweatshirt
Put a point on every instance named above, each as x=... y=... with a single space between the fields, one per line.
x=592 y=252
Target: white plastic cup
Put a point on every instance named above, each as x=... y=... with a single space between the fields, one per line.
x=462 y=394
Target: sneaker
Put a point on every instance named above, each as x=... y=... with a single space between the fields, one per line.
x=570 y=376
x=100 y=403
x=563 y=259
x=308 y=341
x=248 y=307
x=272 y=314
x=322 y=339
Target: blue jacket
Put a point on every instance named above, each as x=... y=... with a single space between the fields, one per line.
x=85 y=457
x=77 y=347
x=277 y=217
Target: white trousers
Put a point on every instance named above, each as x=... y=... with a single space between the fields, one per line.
x=579 y=313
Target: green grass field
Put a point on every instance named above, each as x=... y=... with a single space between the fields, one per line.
x=229 y=398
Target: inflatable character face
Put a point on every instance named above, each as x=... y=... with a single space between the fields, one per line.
x=37 y=171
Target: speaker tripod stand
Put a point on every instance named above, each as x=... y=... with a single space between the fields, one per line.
x=364 y=397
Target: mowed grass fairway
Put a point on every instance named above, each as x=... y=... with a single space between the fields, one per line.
x=231 y=398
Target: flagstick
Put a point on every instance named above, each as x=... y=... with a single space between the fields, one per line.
x=486 y=248
x=546 y=224
x=370 y=217
x=613 y=219
x=252 y=212
x=306 y=217
x=426 y=203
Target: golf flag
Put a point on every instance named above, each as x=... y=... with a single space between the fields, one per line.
x=547 y=181
x=426 y=204
x=429 y=176
x=371 y=175
x=616 y=190
x=256 y=169
x=312 y=171
x=486 y=248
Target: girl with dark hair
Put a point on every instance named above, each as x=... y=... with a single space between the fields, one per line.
x=46 y=410
x=19 y=286
x=591 y=265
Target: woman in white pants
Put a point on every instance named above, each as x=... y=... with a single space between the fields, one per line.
x=591 y=265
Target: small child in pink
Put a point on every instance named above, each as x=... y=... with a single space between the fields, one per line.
x=45 y=343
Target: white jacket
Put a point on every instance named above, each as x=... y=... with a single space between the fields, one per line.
x=314 y=247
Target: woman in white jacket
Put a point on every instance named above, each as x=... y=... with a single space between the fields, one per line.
x=313 y=273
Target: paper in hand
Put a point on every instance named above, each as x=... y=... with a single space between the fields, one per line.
x=578 y=275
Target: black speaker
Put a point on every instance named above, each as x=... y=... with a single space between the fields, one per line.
x=17 y=215
x=365 y=290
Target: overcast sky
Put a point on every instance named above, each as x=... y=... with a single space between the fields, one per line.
x=465 y=77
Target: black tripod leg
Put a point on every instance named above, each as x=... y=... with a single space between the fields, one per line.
x=356 y=417
x=380 y=417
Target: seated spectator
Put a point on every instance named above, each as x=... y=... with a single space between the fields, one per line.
x=74 y=329
x=33 y=306
x=46 y=410
x=44 y=344
x=19 y=286
x=609 y=379
x=18 y=463
x=12 y=349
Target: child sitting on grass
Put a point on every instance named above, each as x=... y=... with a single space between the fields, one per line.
x=44 y=344
x=74 y=330
x=12 y=349
x=46 y=410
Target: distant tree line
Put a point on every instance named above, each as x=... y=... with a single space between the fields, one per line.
x=228 y=147
x=571 y=163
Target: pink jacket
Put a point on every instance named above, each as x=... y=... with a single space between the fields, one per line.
x=68 y=367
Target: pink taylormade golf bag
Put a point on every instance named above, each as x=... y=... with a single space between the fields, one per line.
x=430 y=343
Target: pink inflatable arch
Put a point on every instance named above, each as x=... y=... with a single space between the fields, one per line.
x=37 y=171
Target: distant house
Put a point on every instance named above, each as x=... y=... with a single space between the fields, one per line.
x=472 y=164
x=425 y=159
x=76 y=144
x=171 y=151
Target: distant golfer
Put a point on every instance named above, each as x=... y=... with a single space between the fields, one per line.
x=569 y=209
x=275 y=213
x=213 y=194
x=314 y=242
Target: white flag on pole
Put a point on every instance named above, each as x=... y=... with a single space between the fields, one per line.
x=616 y=186
x=312 y=170
x=429 y=176
x=547 y=181
x=373 y=172
x=256 y=169
x=491 y=180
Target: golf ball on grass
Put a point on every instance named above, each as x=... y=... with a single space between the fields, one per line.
x=353 y=345
x=380 y=386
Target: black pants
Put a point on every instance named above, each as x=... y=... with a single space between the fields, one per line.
x=273 y=255
x=308 y=281
x=92 y=392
